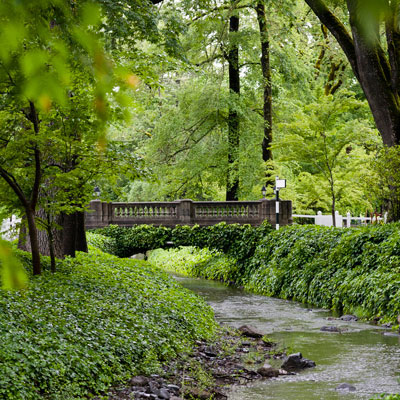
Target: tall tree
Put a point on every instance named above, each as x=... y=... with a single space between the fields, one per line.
x=326 y=141
x=232 y=188
x=43 y=45
x=23 y=133
x=266 y=73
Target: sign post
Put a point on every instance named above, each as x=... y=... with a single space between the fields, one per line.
x=279 y=184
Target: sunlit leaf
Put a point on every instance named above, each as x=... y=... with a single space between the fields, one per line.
x=13 y=275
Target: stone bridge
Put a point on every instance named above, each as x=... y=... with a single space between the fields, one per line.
x=187 y=212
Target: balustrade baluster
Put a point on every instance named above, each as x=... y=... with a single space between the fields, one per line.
x=251 y=211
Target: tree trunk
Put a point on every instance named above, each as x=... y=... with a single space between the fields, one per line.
x=80 y=240
x=43 y=237
x=69 y=234
x=30 y=216
x=66 y=240
x=232 y=187
x=266 y=72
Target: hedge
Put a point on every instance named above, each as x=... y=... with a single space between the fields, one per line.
x=97 y=321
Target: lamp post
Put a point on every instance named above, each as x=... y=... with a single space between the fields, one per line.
x=96 y=193
x=279 y=184
x=263 y=191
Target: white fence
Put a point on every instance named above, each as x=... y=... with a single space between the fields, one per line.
x=341 y=221
x=9 y=228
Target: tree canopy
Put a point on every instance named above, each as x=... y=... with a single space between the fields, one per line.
x=157 y=100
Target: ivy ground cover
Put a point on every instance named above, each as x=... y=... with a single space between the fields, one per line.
x=97 y=321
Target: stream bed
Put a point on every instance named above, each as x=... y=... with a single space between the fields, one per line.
x=363 y=355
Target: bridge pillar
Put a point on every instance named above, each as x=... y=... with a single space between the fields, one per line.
x=98 y=215
x=94 y=216
x=185 y=211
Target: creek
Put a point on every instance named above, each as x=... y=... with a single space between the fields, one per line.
x=363 y=355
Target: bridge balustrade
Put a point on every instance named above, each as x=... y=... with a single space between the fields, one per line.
x=186 y=212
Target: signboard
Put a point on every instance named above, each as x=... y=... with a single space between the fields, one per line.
x=280 y=183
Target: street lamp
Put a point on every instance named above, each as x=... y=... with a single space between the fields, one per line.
x=263 y=191
x=96 y=192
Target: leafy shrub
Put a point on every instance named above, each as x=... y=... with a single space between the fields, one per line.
x=137 y=239
x=103 y=243
x=98 y=320
x=192 y=261
x=239 y=241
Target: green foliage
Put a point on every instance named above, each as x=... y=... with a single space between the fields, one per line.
x=237 y=241
x=97 y=321
x=104 y=243
x=192 y=261
x=325 y=156
x=387 y=397
x=13 y=275
x=137 y=239
x=384 y=184
x=349 y=270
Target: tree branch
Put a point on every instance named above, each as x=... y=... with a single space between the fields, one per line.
x=221 y=8
x=12 y=182
x=337 y=29
x=393 y=43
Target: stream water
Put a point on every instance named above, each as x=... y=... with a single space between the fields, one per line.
x=362 y=355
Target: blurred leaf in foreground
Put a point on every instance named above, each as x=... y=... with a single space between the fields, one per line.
x=13 y=275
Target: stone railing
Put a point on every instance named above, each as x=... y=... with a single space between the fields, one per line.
x=186 y=212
